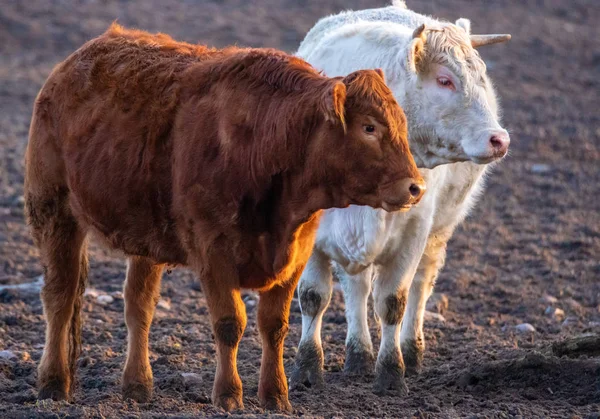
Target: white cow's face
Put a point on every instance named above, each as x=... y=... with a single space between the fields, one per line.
x=454 y=111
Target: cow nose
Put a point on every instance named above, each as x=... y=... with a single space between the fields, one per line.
x=499 y=142
x=416 y=189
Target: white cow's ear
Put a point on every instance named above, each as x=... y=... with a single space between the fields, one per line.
x=416 y=48
x=465 y=24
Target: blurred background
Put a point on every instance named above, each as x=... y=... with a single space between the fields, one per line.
x=529 y=252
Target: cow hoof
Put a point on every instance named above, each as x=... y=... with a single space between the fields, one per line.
x=54 y=388
x=279 y=404
x=308 y=371
x=359 y=360
x=140 y=392
x=389 y=376
x=229 y=402
x=390 y=383
x=413 y=352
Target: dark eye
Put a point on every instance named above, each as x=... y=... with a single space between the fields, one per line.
x=445 y=82
x=370 y=129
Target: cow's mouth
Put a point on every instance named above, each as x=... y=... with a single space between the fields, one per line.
x=391 y=207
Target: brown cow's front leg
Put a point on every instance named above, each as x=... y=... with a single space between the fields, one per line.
x=273 y=317
x=220 y=283
x=142 y=291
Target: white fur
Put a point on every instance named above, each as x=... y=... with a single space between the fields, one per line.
x=404 y=250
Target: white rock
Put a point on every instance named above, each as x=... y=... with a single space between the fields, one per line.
x=164 y=304
x=434 y=317
x=91 y=292
x=7 y=355
x=540 y=168
x=594 y=324
x=117 y=294
x=35 y=286
x=104 y=299
x=191 y=379
x=525 y=328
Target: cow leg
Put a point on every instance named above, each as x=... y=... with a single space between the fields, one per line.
x=412 y=337
x=314 y=291
x=273 y=318
x=63 y=252
x=390 y=293
x=220 y=284
x=141 y=292
x=359 y=348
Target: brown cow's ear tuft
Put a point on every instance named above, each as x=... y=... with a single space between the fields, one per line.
x=380 y=72
x=333 y=103
x=416 y=48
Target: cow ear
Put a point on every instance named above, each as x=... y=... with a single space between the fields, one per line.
x=465 y=24
x=380 y=72
x=333 y=102
x=416 y=48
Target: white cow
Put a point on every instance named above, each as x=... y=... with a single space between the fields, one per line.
x=439 y=79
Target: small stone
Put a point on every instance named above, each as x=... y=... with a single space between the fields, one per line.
x=549 y=299
x=525 y=328
x=91 y=292
x=7 y=355
x=540 y=168
x=555 y=313
x=437 y=303
x=117 y=294
x=434 y=317
x=164 y=304
x=594 y=324
x=104 y=299
x=25 y=356
x=191 y=379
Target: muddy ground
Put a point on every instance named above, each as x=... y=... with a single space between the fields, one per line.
x=532 y=242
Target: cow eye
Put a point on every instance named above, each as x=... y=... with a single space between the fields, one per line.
x=445 y=82
x=369 y=129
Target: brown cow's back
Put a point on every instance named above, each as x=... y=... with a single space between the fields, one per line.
x=116 y=107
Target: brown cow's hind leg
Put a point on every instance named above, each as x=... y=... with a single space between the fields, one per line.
x=142 y=291
x=63 y=252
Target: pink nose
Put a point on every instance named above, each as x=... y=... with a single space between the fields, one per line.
x=499 y=142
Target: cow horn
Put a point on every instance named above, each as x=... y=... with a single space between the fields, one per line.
x=481 y=40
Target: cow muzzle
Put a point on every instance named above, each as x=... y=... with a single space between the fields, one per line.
x=403 y=194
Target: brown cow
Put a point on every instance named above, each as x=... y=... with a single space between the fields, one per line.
x=220 y=160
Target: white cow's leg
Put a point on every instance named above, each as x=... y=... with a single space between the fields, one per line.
x=359 y=348
x=314 y=291
x=412 y=338
x=390 y=294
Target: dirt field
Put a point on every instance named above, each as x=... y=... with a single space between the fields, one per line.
x=533 y=241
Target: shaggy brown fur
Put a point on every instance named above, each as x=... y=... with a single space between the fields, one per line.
x=220 y=160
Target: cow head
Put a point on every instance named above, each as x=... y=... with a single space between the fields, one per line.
x=454 y=113
x=364 y=144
